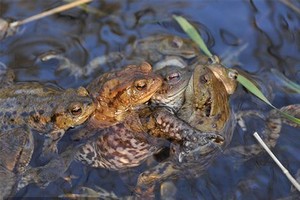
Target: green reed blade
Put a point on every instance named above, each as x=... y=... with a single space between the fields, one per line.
x=192 y=33
x=254 y=90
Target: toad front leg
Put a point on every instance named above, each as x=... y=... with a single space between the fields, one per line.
x=50 y=144
x=164 y=124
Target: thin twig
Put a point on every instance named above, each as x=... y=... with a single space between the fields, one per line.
x=49 y=12
x=284 y=170
x=90 y=9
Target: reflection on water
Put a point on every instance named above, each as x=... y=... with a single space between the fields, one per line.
x=269 y=29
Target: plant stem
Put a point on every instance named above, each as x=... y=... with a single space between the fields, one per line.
x=284 y=170
x=49 y=12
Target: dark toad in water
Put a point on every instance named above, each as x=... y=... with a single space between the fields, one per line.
x=153 y=49
x=45 y=108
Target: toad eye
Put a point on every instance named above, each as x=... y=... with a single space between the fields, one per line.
x=173 y=76
x=203 y=79
x=176 y=42
x=76 y=109
x=140 y=85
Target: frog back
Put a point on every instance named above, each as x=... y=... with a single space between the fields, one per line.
x=21 y=101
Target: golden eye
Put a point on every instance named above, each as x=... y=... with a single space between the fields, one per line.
x=76 y=109
x=141 y=84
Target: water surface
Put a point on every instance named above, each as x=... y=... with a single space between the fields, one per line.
x=256 y=36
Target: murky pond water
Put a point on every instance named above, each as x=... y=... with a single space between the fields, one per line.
x=257 y=36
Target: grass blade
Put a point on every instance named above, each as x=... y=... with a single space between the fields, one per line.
x=192 y=33
x=254 y=90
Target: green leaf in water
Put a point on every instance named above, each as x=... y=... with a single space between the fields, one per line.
x=192 y=33
x=254 y=90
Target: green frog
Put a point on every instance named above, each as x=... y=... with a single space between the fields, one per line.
x=45 y=108
x=199 y=105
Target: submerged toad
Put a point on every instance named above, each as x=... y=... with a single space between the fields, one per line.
x=45 y=108
x=154 y=49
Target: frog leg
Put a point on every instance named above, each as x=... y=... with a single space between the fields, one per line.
x=269 y=136
x=274 y=123
x=165 y=124
x=156 y=174
x=50 y=144
x=113 y=57
x=147 y=180
x=27 y=151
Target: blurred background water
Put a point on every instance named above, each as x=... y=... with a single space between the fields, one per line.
x=256 y=36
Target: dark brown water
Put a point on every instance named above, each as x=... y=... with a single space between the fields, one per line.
x=255 y=35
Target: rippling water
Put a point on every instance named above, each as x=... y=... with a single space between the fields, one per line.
x=256 y=36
